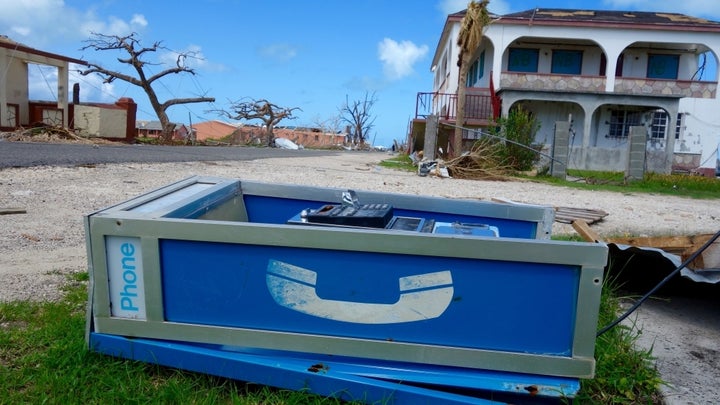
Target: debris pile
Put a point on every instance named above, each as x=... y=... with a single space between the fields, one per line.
x=482 y=162
x=45 y=134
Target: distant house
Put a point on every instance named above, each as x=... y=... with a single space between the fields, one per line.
x=311 y=137
x=153 y=129
x=16 y=109
x=255 y=134
x=213 y=130
x=602 y=72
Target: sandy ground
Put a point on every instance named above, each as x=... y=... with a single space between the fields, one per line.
x=40 y=247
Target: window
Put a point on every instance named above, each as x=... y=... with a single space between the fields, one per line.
x=566 y=62
x=663 y=66
x=475 y=73
x=659 y=124
x=678 y=125
x=523 y=60
x=621 y=121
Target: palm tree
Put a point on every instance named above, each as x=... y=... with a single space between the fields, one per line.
x=471 y=33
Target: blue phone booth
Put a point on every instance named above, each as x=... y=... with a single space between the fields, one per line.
x=365 y=296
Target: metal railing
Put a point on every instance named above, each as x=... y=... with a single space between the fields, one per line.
x=444 y=105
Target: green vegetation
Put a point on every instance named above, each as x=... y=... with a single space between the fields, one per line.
x=517 y=133
x=668 y=184
x=400 y=162
x=43 y=359
x=623 y=373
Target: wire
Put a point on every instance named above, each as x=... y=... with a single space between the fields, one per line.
x=659 y=285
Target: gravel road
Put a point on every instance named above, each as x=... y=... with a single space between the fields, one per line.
x=40 y=247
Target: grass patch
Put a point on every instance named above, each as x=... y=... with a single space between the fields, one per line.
x=400 y=161
x=43 y=359
x=623 y=373
x=680 y=185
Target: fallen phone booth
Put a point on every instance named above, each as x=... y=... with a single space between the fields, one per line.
x=363 y=296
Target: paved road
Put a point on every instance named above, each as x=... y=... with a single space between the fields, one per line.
x=27 y=154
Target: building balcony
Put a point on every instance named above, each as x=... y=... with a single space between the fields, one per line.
x=552 y=82
x=596 y=84
x=663 y=87
x=478 y=106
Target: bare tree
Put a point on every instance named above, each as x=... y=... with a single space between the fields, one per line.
x=270 y=114
x=471 y=33
x=357 y=115
x=135 y=58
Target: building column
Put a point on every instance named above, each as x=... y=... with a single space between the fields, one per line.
x=62 y=93
x=3 y=93
x=672 y=112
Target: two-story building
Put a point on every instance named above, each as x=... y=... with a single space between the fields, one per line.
x=602 y=71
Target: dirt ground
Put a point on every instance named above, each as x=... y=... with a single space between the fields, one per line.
x=39 y=247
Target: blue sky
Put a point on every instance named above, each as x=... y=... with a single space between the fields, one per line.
x=309 y=54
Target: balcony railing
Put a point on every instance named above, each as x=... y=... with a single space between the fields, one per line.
x=478 y=105
x=684 y=88
x=553 y=82
x=596 y=84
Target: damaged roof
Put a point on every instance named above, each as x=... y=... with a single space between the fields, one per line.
x=636 y=19
x=8 y=43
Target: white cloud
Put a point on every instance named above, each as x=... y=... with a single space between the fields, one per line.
x=398 y=58
x=42 y=84
x=92 y=86
x=38 y=23
x=278 y=52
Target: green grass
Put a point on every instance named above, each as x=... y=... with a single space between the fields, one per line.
x=399 y=162
x=43 y=359
x=624 y=374
x=680 y=185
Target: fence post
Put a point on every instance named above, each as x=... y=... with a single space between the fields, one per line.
x=131 y=109
x=560 y=150
x=636 y=154
x=431 y=127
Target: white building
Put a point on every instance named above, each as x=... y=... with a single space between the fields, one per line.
x=602 y=71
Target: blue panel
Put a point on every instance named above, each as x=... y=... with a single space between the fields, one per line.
x=517 y=307
x=272 y=210
x=368 y=381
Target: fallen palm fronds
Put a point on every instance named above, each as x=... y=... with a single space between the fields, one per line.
x=483 y=161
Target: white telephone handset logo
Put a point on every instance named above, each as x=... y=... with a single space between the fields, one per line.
x=422 y=296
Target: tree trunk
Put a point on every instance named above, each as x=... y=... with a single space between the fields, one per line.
x=269 y=135
x=460 y=113
x=168 y=128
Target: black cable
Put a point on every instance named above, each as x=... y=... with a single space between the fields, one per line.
x=659 y=285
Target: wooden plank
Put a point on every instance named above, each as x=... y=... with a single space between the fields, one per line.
x=8 y=211
x=583 y=229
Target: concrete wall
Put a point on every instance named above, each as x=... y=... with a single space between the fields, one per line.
x=93 y=121
x=15 y=88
